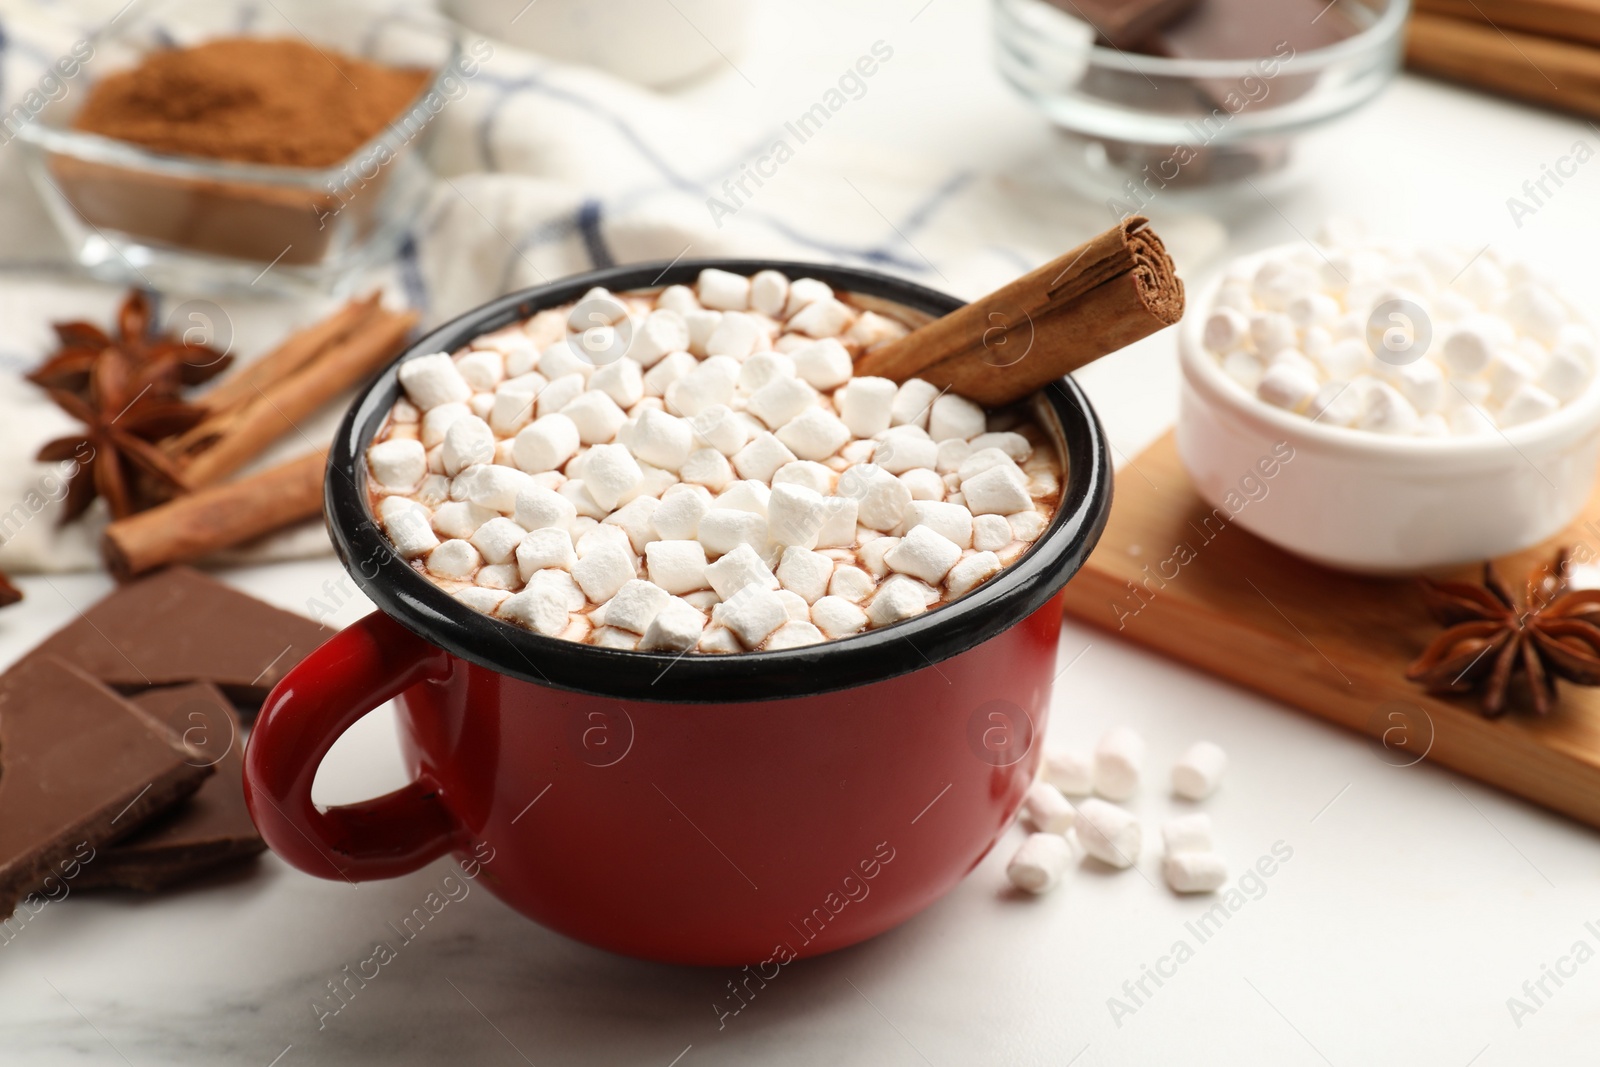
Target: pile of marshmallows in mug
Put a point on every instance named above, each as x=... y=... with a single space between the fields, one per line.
x=1425 y=342
x=1111 y=834
x=724 y=484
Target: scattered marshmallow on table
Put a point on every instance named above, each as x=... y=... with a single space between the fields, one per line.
x=699 y=469
x=1199 y=770
x=1109 y=833
x=1070 y=771
x=1327 y=334
x=1194 y=872
x=1039 y=863
x=1187 y=833
x=1047 y=809
x=1118 y=759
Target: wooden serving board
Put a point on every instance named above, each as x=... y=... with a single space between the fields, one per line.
x=1330 y=643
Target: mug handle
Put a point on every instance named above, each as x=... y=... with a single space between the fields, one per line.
x=360 y=667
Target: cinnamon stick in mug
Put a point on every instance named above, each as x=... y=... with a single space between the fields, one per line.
x=1104 y=295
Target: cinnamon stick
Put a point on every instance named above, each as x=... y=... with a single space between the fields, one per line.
x=1566 y=20
x=1555 y=73
x=197 y=524
x=294 y=352
x=1103 y=295
x=240 y=435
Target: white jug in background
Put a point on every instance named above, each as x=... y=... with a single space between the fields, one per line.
x=652 y=42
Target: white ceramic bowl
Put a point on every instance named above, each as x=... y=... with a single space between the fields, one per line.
x=1368 y=502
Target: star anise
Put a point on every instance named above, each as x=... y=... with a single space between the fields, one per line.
x=170 y=360
x=1491 y=638
x=123 y=414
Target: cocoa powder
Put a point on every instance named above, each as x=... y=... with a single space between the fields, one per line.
x=251 y=100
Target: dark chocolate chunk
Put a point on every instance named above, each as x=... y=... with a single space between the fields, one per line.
x=80 y=767
x=180 y=626
x=211 y=828
x=1252 y=29
x=1125 y=23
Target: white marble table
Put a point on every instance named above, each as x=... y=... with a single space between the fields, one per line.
x=1415 y=903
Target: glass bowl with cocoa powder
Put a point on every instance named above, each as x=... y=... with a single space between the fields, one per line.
x=213 y=145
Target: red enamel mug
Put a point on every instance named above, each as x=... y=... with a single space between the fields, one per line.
x=704 y=809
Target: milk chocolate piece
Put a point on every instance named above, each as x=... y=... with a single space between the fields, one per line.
x=80 y=767
x=180 y=626
x=209 y=829
x=1252 y=29
x=1125 y=23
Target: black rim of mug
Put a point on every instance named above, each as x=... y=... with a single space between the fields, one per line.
x=408 y=597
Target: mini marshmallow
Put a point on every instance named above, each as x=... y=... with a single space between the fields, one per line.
x=881 y=498
x=718 y=427
x=1272 y=333
x=1198 y=771
x=478 y=598
x=558 y=394
x=1386 y=411
x=1564 y=376
x=894 y=602
x=635 y=605
x=602 y=571
x=811 y=475
x=761 y=458
x=955 y=417
x=736 y=335
x=437 y=422
x=538 y=507
x=460 y=518
x=952 y=521
x=953 y=452
x=1225 y=330
x=1070 y=771
x=1287 y=386
x=824 y=364
x=707 y=467
x=677 y=566
x=924 y=484
x=1187 y=833
x=795 y=634
x=994 y=491
x=985 y=459
x=548 y=547
x=738 y=568
x=497 y=539
x=659 y=333
x=971 y=572
x=724 y=529
x=723 y=290
x=1244 y=368
x=512 y=409
x=622 y=381
x=1469 y=348
x=822 y=318
x=1110 y=834
x=990 y=533
x=566 y=358
x=1026 y=525
x=851 y=583
x=661 y=440
x=769 y=290
x=866 y=405
x=839 y=518
x=546 y=444
x=838 y=617
x=410 y=531
x=609 y=471
x=752 y=614
x=780 y=400
x=905 y=448
x=1047 y=809
x=454 y=558
x=433 y=380
x=1039 y=863
x=467 y=442
x=912 y=402
x=397 y=463
x=636 y=519
x=1527 y=403
x=600 y=534
x=1194 y=872
x=794 y=516
x=805 y=291
x=678 y=517
x=596 y=415
x=924 y=553
x=871 y=555
x=1337 y=404
x=1117 y=760
x=676 y=627
x=795 y=605
x=814 y=434
x=805 y=573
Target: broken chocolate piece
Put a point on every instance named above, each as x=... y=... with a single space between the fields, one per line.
x=1125 y=23
x=80 y=767
x=209 y=829
x=180 y=626
x=1253 y=29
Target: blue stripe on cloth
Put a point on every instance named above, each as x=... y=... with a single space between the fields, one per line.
x=594 y=242
x=411 y=280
